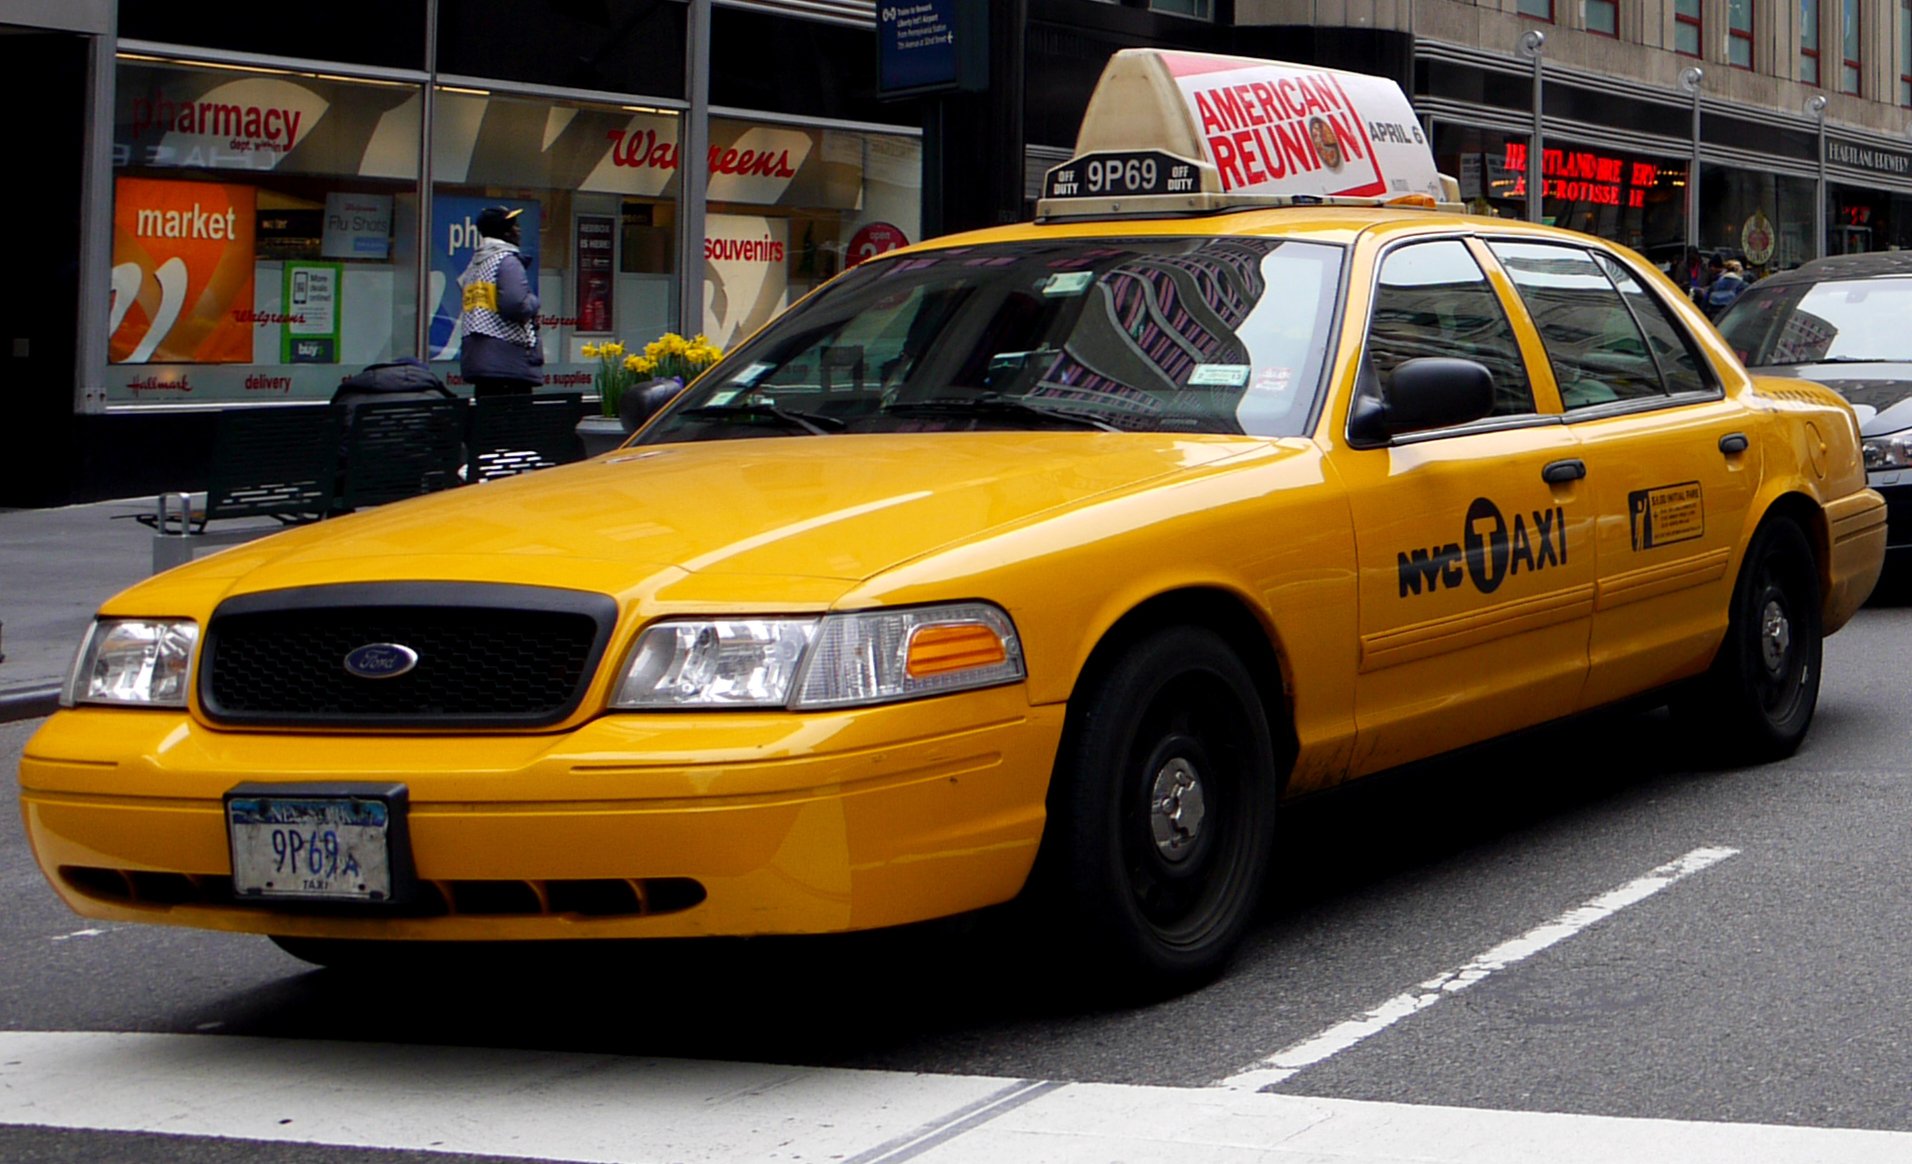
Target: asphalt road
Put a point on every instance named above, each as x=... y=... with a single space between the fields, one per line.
x=1765 y=988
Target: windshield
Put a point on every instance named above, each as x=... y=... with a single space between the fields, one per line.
x=1852 y=319
x=1223 y=335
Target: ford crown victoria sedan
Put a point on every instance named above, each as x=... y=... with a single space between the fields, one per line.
x=1039 y=564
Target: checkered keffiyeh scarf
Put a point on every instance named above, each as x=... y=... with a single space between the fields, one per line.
x=480 y=284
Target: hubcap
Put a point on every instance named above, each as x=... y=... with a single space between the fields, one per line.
x=1775 y=636
x=1176 y=809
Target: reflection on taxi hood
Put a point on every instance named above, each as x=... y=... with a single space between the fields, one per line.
x=1868 y=385
x=840 y=508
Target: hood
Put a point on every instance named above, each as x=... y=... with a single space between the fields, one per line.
x=1873 y=384
x=833 y=510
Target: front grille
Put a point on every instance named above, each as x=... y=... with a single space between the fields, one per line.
x=580 y=897
x=486 y=655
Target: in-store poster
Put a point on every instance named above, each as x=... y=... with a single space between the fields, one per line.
x=596 y=274
x=454 y=236
x=357 y=226
x=182 y=273
x=746 y=274
x=311 y=334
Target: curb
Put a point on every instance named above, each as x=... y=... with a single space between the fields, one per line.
x=18 y=705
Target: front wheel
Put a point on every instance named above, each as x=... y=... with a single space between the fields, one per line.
x=1761 y=692
x=1161 y=811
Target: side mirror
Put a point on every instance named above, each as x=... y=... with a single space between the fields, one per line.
x=640 y=402
x=1424 y=393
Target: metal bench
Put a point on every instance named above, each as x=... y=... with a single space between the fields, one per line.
x=400 y=449
x=280 y=463
x=513 y=434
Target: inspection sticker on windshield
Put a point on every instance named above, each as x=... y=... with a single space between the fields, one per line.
x=1666 y=514
x=1218 y=376
x=1068 y=283
x=751 y=374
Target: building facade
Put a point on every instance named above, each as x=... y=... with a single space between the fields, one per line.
x=230 y=212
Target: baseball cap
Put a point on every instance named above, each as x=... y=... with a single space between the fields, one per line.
x=493 y=221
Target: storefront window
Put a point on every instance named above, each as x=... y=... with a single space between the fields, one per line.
x=259 y=228
x=1635 y=199
x=1763 y=219
x=789 y=206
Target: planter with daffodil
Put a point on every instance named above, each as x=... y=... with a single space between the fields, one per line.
x=616 y=371
x=674 y=357
x=664 y=366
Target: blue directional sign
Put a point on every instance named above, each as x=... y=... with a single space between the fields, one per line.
x=930 y=46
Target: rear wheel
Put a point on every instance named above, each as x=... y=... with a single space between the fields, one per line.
x=1160 y=814
x=1761 y=692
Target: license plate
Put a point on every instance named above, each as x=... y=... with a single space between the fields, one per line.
x=314 y=849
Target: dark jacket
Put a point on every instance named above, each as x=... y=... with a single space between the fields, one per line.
x=500 y=318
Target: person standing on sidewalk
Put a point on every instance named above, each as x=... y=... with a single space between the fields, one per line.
x=500 y=353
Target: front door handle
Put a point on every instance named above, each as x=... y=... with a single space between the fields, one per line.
x=1561 y=472
x=1732 y=442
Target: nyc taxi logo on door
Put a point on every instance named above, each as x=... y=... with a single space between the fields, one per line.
x=1488 y=552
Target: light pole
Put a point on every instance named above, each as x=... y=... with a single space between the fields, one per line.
x=1531 y=45
x=1690 y=81
x=1816 y=105
x=693 y=170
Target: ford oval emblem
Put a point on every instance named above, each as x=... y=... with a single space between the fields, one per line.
x=381 y=660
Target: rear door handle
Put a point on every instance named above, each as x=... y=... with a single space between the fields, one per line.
x=1732 y=442
x=1561 y=472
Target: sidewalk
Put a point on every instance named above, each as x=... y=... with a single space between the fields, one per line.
x=56 y=567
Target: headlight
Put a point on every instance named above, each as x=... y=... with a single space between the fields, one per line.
x=134 y=661
x=1891 y=450
x=841 y=660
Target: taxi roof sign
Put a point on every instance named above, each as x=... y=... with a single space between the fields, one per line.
x=1173 y=132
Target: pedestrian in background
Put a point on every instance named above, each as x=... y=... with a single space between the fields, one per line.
x=1726 y=288
x=500 y=354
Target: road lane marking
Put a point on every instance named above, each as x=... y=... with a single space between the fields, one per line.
x=610 y=1109
x=1285 y=1064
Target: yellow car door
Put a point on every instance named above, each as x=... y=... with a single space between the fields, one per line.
x=1474 y=540
x=1667 y=455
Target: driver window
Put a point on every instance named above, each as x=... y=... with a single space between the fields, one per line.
x=1432 y=299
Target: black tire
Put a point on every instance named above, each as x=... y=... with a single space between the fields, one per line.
x=1160 y=816
x=1757 y=701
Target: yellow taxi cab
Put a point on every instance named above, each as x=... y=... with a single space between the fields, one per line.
x=1036 y=563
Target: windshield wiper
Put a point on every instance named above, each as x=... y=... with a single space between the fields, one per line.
x=996 y=404
x=810 y=422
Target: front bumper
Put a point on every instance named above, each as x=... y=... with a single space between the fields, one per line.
x=1895 y=485
x=783 y=823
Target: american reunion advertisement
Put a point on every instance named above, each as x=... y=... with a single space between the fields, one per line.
x=1281 y=129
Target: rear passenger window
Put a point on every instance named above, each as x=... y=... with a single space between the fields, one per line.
x=1671 y=344
x=1434 y=300
x=1598 y=352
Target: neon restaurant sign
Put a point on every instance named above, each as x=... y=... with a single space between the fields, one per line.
x=1583 y=176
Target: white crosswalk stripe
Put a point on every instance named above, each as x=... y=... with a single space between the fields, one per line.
x=605 y=1108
